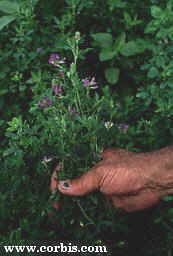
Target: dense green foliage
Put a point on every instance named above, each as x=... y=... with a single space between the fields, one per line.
x=68 y=95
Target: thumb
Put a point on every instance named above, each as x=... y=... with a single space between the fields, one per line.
x=85 y=184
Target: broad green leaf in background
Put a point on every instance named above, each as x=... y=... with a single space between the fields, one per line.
x=151 y=27
x=119 y=42
x=9 y=7
x=142 y=45
x=5 y=20
x=129 y=21
x=129 y=49
x=107 y=54
x=156 y=11
x=112 y=75
x=104 y=40
x=153 y=72
x=134 y=47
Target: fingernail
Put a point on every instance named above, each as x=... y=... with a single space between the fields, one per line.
x=64 y=184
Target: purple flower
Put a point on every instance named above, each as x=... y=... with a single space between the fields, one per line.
x=61 y=73
x=73 y=111
x=39 y=49
x=57 y=89
x=54 y=57
x=123 y=127
x=90 y=83
x=55 y=60
x=45 y=102
x=85 y=82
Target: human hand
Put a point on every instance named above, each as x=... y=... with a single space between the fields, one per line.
x=130 y=180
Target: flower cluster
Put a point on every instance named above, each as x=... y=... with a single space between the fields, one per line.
x=47 y=159
x=56 y=60
x=57 y=89
x=39 y=49
x=108 y=124
x=123 y=127
x=61 y=73
x=45 y=102
x=90 y=83
x=73 y=111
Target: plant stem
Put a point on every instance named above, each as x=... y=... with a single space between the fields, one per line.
x=84 y=213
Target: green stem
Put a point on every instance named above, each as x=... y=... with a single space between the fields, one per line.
x=79 y=101
x=84 y=213
x=74 y=77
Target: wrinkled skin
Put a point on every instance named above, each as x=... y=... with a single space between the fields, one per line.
x=132 y=181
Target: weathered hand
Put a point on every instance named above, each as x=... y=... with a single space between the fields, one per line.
x=132 y=181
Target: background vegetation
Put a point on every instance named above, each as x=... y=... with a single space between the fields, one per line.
x=78 y=76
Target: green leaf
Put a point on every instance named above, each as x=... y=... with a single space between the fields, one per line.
x=170 y=211
x=119 y=42
x=129 y=49
x=106 y=54
x=156 y=11
x=153 y=72
x=134 y=47
x=167 y=198
x=104 y=40
x=9 y=7
x=142 y=95
x=112 y=75
x=142 y=44
x=5 y=20
x=151 y=27
x=3 y=91
x=14 y=124
x=116 y=4
x=127 y=18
